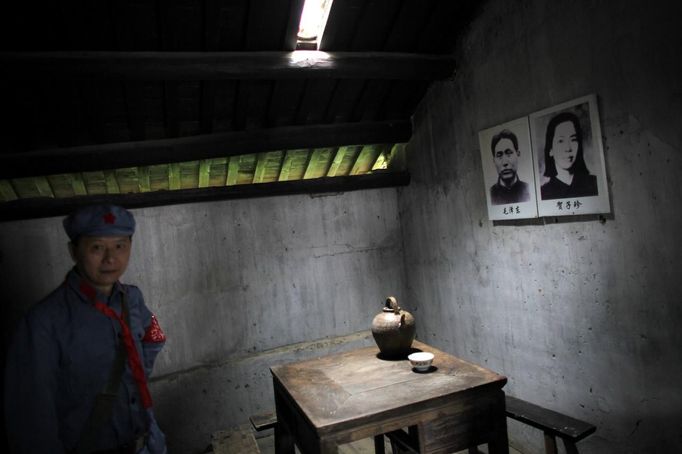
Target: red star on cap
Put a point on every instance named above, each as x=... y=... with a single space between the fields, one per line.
x=109 y=218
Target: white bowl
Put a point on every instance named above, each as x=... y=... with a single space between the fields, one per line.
x=421 y=361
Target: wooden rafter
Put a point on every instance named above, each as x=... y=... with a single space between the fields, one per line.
x=266 y=65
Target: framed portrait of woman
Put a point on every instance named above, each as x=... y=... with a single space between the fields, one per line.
x=570 y=175
x=507 y=161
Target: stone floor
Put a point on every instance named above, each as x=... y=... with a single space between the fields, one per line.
x=267 y=446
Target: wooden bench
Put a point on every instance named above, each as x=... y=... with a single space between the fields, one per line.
x=552 y=424
x=263 y=421
x=238 y=440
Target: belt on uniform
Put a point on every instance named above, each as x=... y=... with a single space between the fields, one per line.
x=129 y=448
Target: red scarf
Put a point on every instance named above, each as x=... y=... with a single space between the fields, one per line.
x=133 y=356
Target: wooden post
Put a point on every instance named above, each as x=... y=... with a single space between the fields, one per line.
x=379 y=444
x=550 y=444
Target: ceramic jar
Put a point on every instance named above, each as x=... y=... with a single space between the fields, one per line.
x=393 y=330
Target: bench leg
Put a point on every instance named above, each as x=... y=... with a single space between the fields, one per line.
x=379 y=444
x=570 y=447
x=550 y=444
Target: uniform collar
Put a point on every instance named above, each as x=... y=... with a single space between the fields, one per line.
x=87 y=290
x=501 y=184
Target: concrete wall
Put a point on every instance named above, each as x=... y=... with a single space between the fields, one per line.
x=238 y=286
x=582 y=316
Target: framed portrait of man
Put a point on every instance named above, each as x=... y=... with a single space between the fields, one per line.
x=570 y=175
x=507 y=160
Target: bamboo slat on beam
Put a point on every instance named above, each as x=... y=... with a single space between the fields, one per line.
x=163 y=151
x=47 y=207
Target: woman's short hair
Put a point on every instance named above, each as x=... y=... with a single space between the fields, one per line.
x=578 y=166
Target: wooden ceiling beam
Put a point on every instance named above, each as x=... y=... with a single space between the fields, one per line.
x=266 y=65
x=47 y=207
x=191 y=148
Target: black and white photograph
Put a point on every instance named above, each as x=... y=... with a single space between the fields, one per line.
x=507 y=160
x=570 y=175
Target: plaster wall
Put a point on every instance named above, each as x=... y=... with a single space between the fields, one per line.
x=581 y=314
x=238 y=286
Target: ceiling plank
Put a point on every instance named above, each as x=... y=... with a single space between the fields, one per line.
x=160 y=151
x=286 y=95
x=247 y=168
x=25 y=188
x=111 y=182
x=318 y=158
x=261 y=162
x=286 y=166
x=314 y=101
x=170 y=111
x=349 y=160
x=94 y=182
x=78 y=184
x=94 y=107
x=365 y=159
x=265 y=65
x=207 y=106
x=344 y=100
x=341 y=24
x=158 y=177
x=272 y=25
x=230 y=20
x=407 y=26
x=251 y=105
x=369 y=105
x=174 y=177
x=374 y=25
x=381 y=161
x=134 y=97
x=293 y=163
x=446 y=21
x=337 y=160
x=7 y=191
x=204 y=173
x=47 y=207
x=232 y=171
x=44 y=188
x=144 y=181
x=291 y=32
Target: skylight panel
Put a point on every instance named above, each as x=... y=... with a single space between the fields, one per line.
x=311 y=26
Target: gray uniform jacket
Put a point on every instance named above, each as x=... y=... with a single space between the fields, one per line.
x=60 y=359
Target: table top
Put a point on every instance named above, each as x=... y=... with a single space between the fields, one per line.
x=347 y=388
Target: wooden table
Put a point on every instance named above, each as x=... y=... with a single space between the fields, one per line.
x=322 y=403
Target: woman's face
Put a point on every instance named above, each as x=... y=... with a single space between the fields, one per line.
x=564 y=145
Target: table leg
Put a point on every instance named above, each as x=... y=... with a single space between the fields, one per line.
x=499 y=443
x=284 y=440
x=327 y=447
